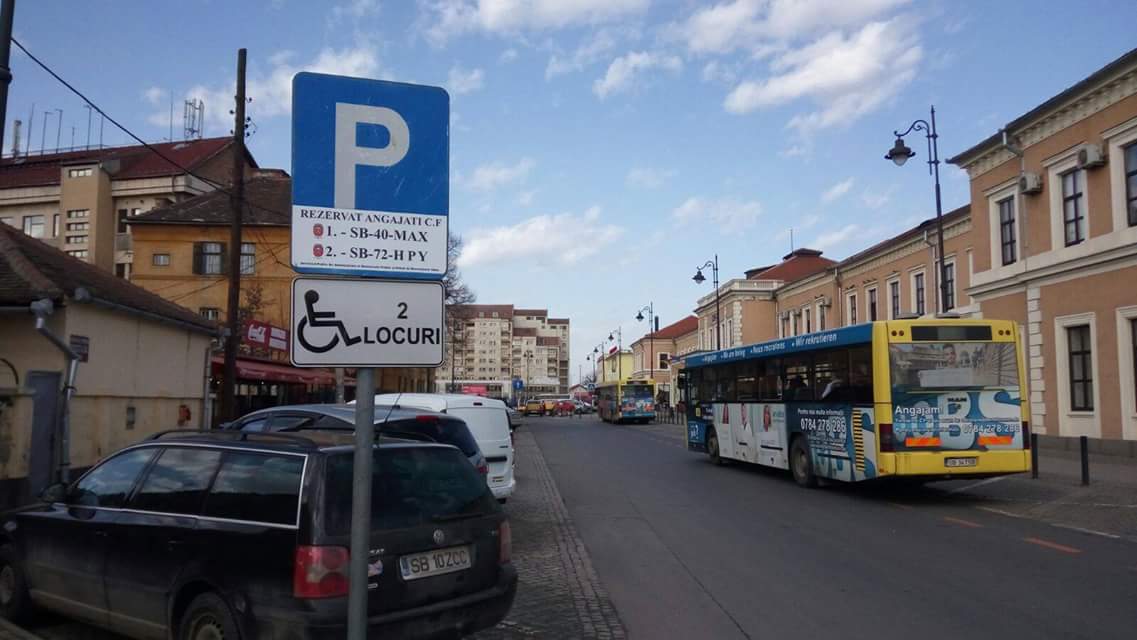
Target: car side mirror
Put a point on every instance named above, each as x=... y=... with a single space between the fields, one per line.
x=54 y=493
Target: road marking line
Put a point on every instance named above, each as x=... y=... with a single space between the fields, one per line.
x=961 y=521
x=1009 y=514
x=1089 y=531
x=1052 y=545
x=977 y=484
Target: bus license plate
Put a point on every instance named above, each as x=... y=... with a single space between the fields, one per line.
x=961 y=462
x=433 y=563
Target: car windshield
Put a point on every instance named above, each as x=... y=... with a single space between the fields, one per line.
x=410 y=486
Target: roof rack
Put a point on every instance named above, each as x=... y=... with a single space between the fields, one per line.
x=242 y=436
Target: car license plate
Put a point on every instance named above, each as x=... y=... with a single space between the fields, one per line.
x=961 y=462
x=433 y=563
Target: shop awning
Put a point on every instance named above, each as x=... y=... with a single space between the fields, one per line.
x=273 y=372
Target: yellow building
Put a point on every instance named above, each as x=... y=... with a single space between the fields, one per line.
x=610 y=368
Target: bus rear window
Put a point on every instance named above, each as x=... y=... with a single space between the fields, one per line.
x=953 y=365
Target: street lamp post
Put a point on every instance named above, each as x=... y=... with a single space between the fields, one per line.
x=528 y=356
x=899 y=154
x=618 y=336
x=699 y=279
x=650 y=308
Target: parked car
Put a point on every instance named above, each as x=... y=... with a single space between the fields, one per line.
x=549 y=406
x=203 y=535
x=566 y=407
x=487 y=420
x=514 y=417
x=436 y=427
x=534 y=407
x=582 y=407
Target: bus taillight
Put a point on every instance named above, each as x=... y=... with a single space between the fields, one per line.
x=1026 y=435
x=886 y=438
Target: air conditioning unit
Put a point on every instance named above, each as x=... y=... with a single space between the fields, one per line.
x=1030 y=183
x=1090 y=156
x=826 y=302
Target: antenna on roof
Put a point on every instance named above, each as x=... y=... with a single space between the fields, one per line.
x=16 y=138
x=791 y=239
x=193 y=119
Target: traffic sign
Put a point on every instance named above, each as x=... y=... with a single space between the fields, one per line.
x=370 y=177
x=591 y=386
x=344 y=322
x=518 y=384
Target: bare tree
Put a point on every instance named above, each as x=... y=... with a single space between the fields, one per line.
x=457 y=296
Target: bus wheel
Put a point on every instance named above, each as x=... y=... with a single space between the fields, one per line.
x=713 y=448
x=800 y=463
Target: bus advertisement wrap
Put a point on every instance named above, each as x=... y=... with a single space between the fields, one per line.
x=956 y=421
x=842 y=439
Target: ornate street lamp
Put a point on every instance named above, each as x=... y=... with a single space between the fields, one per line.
x=699 y=278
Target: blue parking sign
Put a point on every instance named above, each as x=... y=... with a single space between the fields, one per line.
x=370 y=177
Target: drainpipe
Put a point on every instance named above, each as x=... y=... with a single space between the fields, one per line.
x=42 y=309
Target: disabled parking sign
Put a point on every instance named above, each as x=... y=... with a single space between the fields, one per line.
x=370 y=177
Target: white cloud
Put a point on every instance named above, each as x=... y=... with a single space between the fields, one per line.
x=715 y=71
x=449 y=18
x=763 y=26
x=648 y=178
x=728 y=214
x=876 y=200
x=621 y=74
x=517 y=242
x=794 y=151
x=837 y=190
x=154 y=95
x=828 y=241
x=589 y=52
x=355 y=9
x=509 y=55
x=488 y=177
x=525 y=198
x=460 y=81
x=271 y=91
x=848 y=76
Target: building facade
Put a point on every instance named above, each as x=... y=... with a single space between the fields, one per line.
x=491 y=345
x=81 y=201
x=1054 y=205
x=652 y=354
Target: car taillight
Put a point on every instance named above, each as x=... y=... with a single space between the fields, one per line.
x=483 y=469
x=505 y=543
x=430 y=419
x=320 y=572
x=1026 y=435
x=886 y=438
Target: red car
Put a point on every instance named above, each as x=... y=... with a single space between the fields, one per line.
x=565 y=407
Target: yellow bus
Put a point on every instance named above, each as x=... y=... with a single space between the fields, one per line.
x=627 y=401
x=929 y=398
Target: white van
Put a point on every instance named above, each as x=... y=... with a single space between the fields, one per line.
x=488 y=422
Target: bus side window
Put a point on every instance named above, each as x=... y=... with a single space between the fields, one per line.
x=707 y=384
x=724 y=389
x=747 y=386
x=860 y=374
x=770 y=380
x=831 y=376
x=799 y=380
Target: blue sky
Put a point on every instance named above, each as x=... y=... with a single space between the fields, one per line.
x=601 y=149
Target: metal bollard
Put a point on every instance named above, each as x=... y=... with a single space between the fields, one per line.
x=1034 y=456
x=1084 y=441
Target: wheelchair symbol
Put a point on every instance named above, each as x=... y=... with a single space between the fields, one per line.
x=313 y=318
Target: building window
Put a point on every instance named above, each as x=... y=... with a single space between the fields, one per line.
x=1081 y=372
x=80 y=173
x=1007 y=237
x=808 y=319
x=78 y=253
x=894 y=299
x=79 y=239
x=160 y=260
x=918 y=288
x=872 y=305
x=786 y=325
x=852 y=308
x=78 y=213
x=33 y=226
x=794 y=322
x=248 y=258
x=1131 y=182
x=949 y=285
x=208 y=258
x=1073 y=213
x=78 y=226
x=210 y=313
x=55 y=226
x=664 y=360
x=821 y=317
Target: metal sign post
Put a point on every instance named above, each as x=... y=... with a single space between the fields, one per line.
x=370 y=197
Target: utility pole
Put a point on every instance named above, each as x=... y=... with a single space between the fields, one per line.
x=7 y=11
x=236 y=203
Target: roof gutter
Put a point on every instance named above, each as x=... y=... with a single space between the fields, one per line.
x=82 y=295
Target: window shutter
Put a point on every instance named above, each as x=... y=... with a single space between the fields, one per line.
x=197 y=260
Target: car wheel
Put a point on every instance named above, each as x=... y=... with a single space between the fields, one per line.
x=801 y=463
x=208 y=618
x=713 y=448
x=14 y=602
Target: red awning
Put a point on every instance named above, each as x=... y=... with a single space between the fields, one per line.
x=273 y=372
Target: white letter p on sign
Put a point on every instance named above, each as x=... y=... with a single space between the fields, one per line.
x=349 y=155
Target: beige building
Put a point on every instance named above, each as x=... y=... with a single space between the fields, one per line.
x=80 y=201
x=490 y=345
x=1054 y=201
x=652 y=354
x=143 y=363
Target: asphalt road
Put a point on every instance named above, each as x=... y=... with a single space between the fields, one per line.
x=690 y=550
